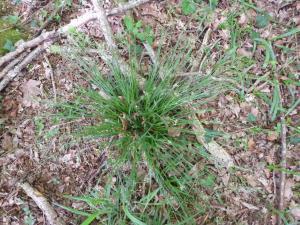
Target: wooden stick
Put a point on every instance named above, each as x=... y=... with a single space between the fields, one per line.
x=12 y=64
x=43 y=204
x=283 y=151
x=63 y=30
x=106 y=29
x=28 y=59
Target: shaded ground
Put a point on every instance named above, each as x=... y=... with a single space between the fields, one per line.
x=33 y=149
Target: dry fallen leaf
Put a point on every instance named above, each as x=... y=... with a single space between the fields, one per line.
x=31 y=91
x=295 y=211
x=243 y=19
x=251 y=144
x=7 y=142
x=288 y=192
x=174 y=132
x=249 y=206
x=218 y=153
x=272 y=136
x=244 y=52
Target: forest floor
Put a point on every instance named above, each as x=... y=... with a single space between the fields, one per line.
x=246 y=122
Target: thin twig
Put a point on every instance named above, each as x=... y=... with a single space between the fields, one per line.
x=52 y=78
x=106 y=29
x=151 y=53
x=12 y=64
x=26 y=45
x=43 y=204
x=200 y=52
x=283 y=151
x=50 y=18
x=28 y=59
x=88 y=16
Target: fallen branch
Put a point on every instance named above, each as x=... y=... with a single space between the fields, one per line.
x=50 y=37
x=106 y=29
x=28 y=59
x=282 y=177
x=12 y=64
x=151 y=53
x=43 y=204
x=63 y=30
x=108 y=35
x=26 y=45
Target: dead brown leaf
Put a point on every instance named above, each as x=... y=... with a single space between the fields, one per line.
x=272 y=136
x=174 y=132
x=295 y=211
x=7 y=142
x=251 y=144
x=244 y=52
x=31 y=91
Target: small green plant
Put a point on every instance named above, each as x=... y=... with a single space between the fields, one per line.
x=149 y=121
x=137 y=31
x=188 y=7
x=9 y=33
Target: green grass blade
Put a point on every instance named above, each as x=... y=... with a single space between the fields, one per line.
x=132 y=218
x=291 y=109
x=91 y=218
x=288 y=33
x=74 y=211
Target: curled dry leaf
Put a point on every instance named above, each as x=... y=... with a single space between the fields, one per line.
x=218 y=153
x=272 y=136
x=251 y=144
x=295 y=211
x=174 y=132
x=249 y=206
x=243 y=19
x=244 y=52
x=7 y=142
x=31 y=91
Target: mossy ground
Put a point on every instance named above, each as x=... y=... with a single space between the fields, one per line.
x=8 y=31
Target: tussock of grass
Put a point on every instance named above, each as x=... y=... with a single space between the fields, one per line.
x=150 y=125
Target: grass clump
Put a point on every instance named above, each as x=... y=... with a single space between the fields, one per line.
x=149 y=122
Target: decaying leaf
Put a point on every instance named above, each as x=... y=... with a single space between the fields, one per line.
x=174 y=132
x=244 y=52
x=295 y=211
x=251 y=144
x=249 y=206
x=7 y=142
x=218 y=153
x=31 y=91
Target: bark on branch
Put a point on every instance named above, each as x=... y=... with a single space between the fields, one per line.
x=41 y=42
x=43 y=204
x=88 y=16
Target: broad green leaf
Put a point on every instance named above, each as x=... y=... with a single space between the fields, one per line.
x=9 y=46
x=129 y=23
x=262 y=20
x=251 y=118
x=188 y=7
x=12 y=19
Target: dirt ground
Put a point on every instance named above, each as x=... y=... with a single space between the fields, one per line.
x=55 y=163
